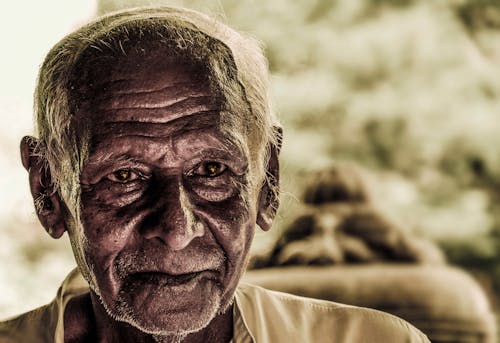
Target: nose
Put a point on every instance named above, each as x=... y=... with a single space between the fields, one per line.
x=174 y=223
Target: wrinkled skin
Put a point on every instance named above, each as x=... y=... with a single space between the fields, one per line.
x=167 y=213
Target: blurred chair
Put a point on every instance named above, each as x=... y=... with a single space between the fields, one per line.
x=341 y=248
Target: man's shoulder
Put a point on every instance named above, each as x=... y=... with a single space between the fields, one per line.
x=45 y=323
x=34 y=324
x=318 y=320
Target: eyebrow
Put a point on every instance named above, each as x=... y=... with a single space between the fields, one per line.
x=111 y=157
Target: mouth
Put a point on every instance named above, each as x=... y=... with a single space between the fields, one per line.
x=164 y=279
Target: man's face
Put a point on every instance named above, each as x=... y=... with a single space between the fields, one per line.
x=167 y=214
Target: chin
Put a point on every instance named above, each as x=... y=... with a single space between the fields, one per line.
x=167 y=312
x=171 y=323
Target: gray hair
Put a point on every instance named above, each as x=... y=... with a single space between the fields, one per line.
x=234 y=62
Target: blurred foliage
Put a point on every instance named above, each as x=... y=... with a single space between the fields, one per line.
x=407 y=89
x=479 y=14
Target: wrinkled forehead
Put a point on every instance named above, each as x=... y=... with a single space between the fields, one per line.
x=154 y=86
x=146 y=81
x=99 y=73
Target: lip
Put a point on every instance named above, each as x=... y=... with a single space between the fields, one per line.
x=184 y=280
x=168 y=279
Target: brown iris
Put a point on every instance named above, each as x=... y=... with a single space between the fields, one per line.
x=123 y=175
x=210 y=169
x=213 y=168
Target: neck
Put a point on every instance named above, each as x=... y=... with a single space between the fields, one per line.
x=85 y=319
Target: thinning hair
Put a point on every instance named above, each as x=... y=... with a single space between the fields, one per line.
x=236 y=69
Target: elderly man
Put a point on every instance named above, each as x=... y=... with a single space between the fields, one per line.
x=157 y=152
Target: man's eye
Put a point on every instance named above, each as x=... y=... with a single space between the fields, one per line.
x=210 y=169
x=123 y=176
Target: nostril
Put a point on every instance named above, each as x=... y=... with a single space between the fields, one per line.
x=160 y=240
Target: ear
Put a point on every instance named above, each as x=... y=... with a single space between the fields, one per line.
x=269 y=194
x=48 y=203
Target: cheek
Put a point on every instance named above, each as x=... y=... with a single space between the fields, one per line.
x=232 y=224
x=106 y=230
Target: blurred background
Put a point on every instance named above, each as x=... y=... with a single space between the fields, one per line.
x=407 y=91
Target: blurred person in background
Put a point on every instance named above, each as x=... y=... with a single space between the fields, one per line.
x=157 y=151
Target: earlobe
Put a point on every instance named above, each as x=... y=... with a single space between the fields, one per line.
x=265 y=218
x=48 y=203
x=269 y=194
